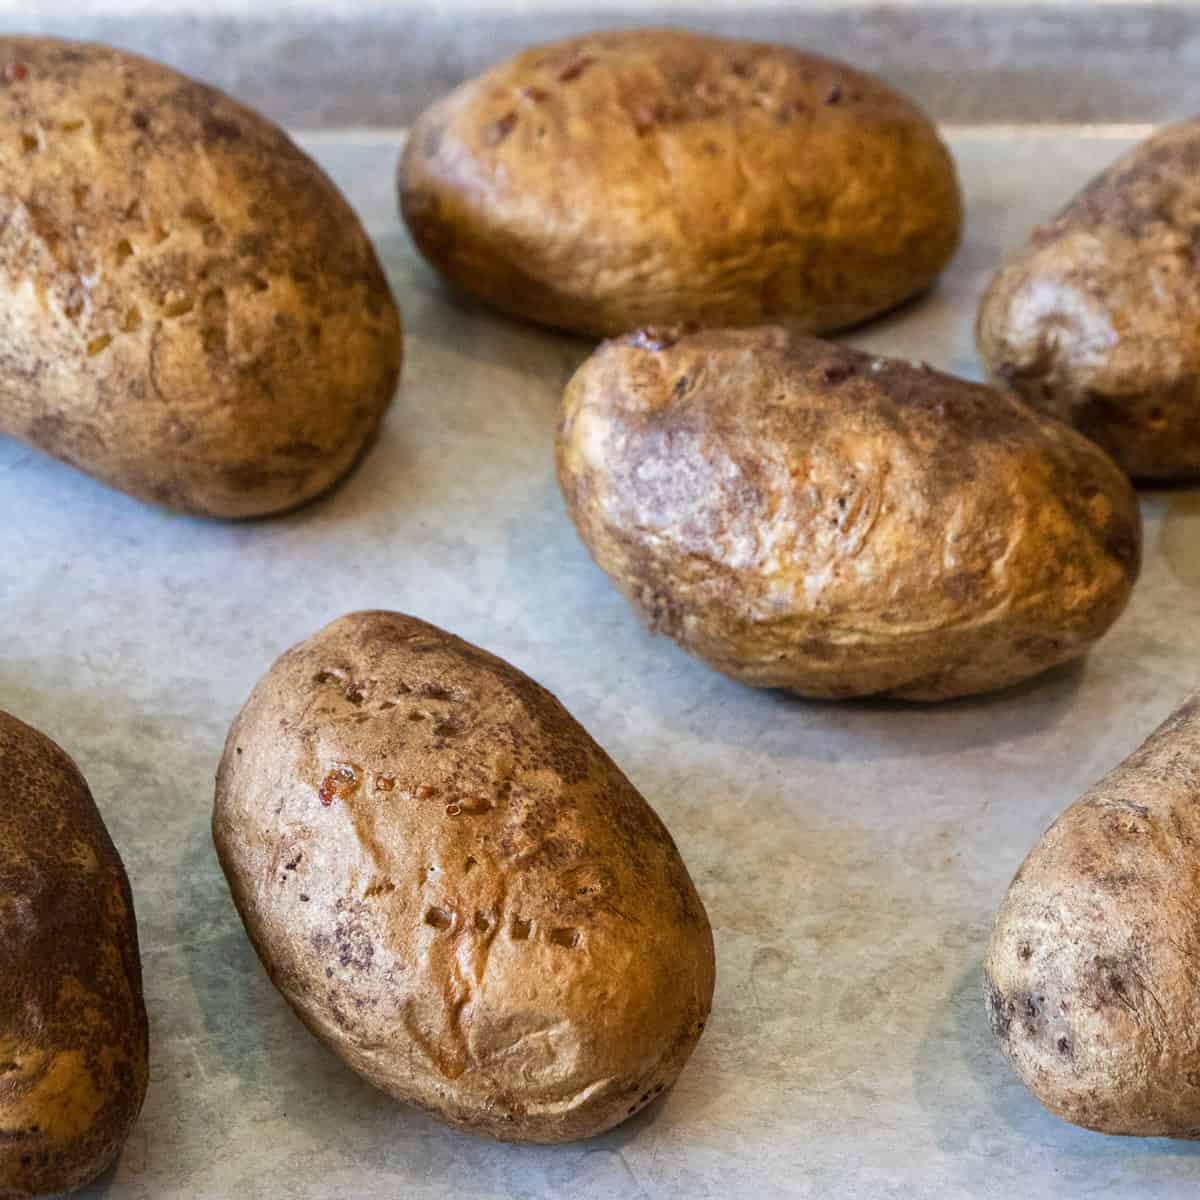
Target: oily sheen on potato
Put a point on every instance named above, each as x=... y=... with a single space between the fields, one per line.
x=651 y=175
x=1097 y=318
x=455 y=888
x=189 y=310
x=73 y=1030
x=803 y=516
x=1091 y=981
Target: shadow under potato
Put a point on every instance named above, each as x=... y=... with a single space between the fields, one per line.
x=995 y=1132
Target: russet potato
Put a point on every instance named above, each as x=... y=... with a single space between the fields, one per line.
x=633 y=177
x=189 y=310
x=73 y=1029
x=1091 y=982
x=800 y=515
x=1097 y=318
x=455 y=888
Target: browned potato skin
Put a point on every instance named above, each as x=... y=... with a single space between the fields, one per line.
x=803 y=516
x=190 y=310
x=655 y=175
x=1091 y=980
x=1097 y=319
x=73 y=1030
x=485 y=918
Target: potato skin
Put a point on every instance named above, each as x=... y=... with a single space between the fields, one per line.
x=803 y=516
x=73 y=1029
x=1097 y=319
x=190 y=310
x=455 y=888
x=1091 y=984
x=654 y=175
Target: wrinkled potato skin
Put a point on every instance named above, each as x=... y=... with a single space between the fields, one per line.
x=803 y=516
x=634 y=177
x=191 y=312
x=485 y=919
x=1091 y=983
x=73 y=1030
x=1097 y=319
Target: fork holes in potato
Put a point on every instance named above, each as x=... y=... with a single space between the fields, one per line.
x=438 y=918
x=178 y=306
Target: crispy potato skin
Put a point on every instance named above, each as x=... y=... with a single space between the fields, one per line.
x=455 y=888
x=73 y=1030
x=634 y=177
x=803 y=516
x=1097 y=318
x=190 y=310
x=1091 y=983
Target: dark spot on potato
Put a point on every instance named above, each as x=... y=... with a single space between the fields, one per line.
x=498 y=130
x=573 y=70
x=221 y=129
x=1123 y=541
x=354 y=946
x=438 y=918
x=1000 y=1010
x=836 y=372
x=834 y=95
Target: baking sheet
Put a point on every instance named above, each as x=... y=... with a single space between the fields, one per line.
x=851 y=856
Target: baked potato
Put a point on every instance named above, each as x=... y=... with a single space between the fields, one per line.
x=1091 y=982
x=800 y=515
x=1097 y=319
x=632 y=177
x=189 y=310
x=455 y=888
x=73 y=1029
